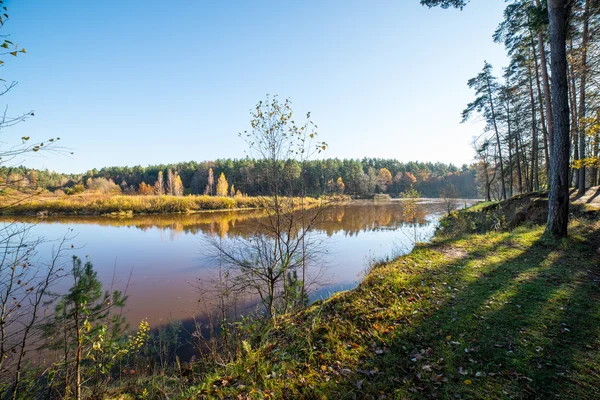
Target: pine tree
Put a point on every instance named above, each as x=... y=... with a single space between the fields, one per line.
x=486 y=91
x=83 y=321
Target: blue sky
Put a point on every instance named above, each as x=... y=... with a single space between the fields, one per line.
x=146 y=82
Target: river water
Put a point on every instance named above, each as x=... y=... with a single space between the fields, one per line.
x=164 y=261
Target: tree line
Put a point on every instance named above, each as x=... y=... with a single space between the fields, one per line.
x=361 y=178
x=542 y=112
x=513 y=154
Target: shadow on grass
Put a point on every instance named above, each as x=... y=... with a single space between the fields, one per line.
x=513 y=321
x=591 y=199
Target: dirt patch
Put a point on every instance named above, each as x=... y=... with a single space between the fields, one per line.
x=452 y=253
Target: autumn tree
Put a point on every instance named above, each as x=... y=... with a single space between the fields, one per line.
x=384 y=179
x=274 y=261
x=340 y=186
x=159 y=185
x=177 y=185
x=211 y=182
x=222 y=186
x=170 y=184
x=145 y=190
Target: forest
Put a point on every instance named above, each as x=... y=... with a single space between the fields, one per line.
x=359 y=178
x=514 y=153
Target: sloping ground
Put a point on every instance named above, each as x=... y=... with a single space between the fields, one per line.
x=526 y=209
x=496 y=315
x=591 y=198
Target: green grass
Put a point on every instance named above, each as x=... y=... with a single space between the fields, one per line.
x=481 y=205
x=497 y=315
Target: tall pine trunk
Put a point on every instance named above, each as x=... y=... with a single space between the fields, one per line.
x=534 y=140
x=574 y=118
x=518 y=151
x=491 y=99
x=541 y=101
x=558 y=199
x=582 y=105
x=546 y=82
x=510 y=154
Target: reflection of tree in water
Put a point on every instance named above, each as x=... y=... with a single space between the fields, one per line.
x=360 y=218
x=349 y=218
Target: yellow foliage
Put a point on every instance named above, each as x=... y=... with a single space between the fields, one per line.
x=222 y=186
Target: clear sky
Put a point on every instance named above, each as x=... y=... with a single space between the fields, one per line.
x=147 y=82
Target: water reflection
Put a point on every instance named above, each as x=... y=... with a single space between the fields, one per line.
x=350 y=218
x=166 y=255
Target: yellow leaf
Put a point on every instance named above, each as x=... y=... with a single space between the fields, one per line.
x=468 y=381
x=14 y=53
x=448 y=337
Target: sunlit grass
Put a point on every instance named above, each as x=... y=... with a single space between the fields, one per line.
x=503 y=321
x=90 y=204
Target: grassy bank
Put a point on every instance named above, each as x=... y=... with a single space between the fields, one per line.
x=494 y=315
x=92 y=204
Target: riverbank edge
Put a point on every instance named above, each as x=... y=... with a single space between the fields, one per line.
x=127 y=206
x=473 y=314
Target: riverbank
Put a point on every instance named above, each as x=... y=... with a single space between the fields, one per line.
x=506 y=313
x=94 y=204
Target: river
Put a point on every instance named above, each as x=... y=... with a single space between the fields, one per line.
x=164 y=263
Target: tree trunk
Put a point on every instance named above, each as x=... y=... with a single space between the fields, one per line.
x=574 y=119
x=541 y=100
x=595 y=148
x=594 y=170
x=490 y=94
x=558 y=199
x=518 y=156
x=534 y=139
x=546 y=80
x=582 y=110
x=510 y=154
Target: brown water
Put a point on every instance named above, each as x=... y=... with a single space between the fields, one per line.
x=162 y=259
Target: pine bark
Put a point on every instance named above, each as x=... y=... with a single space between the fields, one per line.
x=534 y=140
x=582 y=105
x=491 y=99
x=546 y=82
x=541 y=100
x=558 y=199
